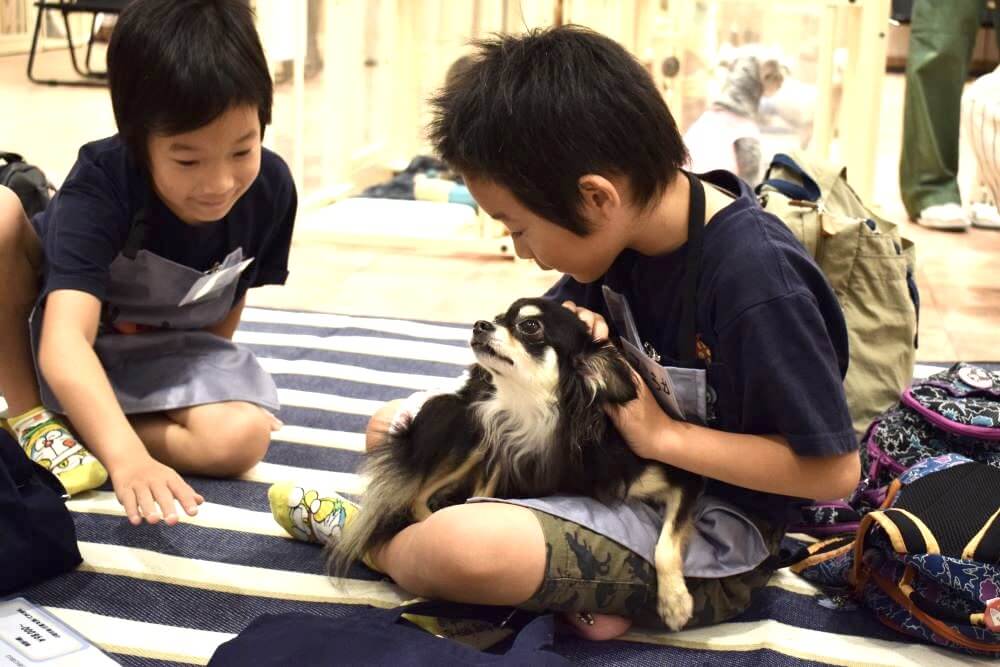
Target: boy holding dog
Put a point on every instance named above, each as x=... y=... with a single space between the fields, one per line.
x=563 y=137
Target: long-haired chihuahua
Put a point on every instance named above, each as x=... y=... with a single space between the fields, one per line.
x=529 y=422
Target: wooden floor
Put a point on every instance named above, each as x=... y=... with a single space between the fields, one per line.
x=957 y=274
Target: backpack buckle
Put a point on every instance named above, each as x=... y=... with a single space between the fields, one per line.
x=992 y=615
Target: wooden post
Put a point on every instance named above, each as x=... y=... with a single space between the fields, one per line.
x=300 y=31
x=822 y=132
x=868 y=24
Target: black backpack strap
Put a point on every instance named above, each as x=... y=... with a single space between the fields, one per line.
x=139 y=224
x=687 y=339
x=10 y=157
x=907 y=532
x=818 y=552
x=985 y=545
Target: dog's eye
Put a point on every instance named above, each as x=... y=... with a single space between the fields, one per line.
x=529 y=327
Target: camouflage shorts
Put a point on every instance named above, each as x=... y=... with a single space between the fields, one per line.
x=586 y=571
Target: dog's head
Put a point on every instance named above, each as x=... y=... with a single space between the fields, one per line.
x=540 y=346
x=550 y=380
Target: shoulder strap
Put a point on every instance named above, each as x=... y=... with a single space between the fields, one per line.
x=686 y=342
x=819 y=552
x=808 y=191
x=938 y=626
x=907 y=532
x=138 y=224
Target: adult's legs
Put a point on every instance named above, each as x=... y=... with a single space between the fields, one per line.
x=941 y=40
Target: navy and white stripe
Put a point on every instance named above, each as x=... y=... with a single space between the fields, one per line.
x=158 y=595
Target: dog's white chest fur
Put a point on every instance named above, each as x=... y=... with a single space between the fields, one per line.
x=521 y=418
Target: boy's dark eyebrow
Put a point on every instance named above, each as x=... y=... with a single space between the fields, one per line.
x=177 y=146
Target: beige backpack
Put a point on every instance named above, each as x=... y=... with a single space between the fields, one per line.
x=870 y=267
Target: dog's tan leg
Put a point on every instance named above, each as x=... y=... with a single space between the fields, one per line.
x=420 y=508
x=674 y=602
x=489 y=488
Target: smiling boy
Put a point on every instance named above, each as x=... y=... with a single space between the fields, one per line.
x=139 y=267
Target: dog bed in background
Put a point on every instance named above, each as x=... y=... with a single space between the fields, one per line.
x=159 y=595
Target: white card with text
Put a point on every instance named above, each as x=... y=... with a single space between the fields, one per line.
x=31 y=636
x=213 y=282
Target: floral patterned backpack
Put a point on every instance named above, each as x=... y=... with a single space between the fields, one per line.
x=955 y=411
x=927 y=563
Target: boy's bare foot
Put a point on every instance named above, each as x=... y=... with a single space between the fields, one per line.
x=597 y=627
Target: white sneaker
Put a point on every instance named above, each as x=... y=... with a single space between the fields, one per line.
x=944 y=216
x=985 y=216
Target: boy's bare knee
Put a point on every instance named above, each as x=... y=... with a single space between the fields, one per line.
x=20 y=253
x=14 y=225
x=242 y=439
x=11 y=210
x=486 y=553
x=378 y=425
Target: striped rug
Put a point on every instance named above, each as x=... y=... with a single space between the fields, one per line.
x=158 y=595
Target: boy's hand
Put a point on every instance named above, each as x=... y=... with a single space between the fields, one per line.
x=407 y=408
x=594 y=321
x=642 y=422
x=147 y=489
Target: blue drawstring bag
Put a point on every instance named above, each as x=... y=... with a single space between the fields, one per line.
x=380 y=637
x=37 y=537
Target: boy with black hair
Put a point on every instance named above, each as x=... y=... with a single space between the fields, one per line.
x=563 y=137
x=145 y=256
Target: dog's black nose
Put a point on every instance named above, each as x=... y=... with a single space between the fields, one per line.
x=482 y=326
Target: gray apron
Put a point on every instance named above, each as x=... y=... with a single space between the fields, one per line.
x=724 y=541
x=172 y=363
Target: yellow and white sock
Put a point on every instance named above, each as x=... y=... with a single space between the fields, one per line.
x=309 y=517
x=50 y=443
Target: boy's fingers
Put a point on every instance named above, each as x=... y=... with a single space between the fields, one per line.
x=616 y=413
x=185 y=494
x=127 y=499
x=276 y=424
x=596 y=325
x=165 y=499
x=147 y=506
x=600 y=331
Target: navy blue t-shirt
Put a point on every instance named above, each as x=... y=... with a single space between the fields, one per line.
x=87 y=223
x=774 y=335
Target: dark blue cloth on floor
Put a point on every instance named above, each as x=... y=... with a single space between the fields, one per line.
x=37 y=538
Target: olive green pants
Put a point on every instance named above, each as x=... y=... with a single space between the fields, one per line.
x=586 y=571
x=943 y=34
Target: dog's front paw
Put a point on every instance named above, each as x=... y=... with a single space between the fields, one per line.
x=675 y=606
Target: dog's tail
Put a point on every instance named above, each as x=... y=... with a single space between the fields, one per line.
x=385 y=510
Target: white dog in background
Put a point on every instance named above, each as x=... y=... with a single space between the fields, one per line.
x=727 y=134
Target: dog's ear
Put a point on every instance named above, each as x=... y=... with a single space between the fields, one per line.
x=606 y=374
